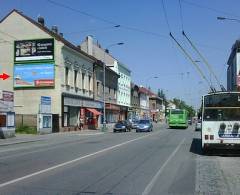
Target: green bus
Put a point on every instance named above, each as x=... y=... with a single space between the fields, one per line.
x=178 y=118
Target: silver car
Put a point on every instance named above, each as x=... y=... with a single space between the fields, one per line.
x=198 y=125
x=144 y=125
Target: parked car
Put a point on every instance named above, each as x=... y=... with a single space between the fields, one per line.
x=189 y=121
x=122 y=126
x=198 y=125
x=135 y=124
x=144 y=125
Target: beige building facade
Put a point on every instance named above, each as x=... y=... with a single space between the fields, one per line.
x=71 y=83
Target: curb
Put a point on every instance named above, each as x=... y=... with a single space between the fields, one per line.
x=20 y=142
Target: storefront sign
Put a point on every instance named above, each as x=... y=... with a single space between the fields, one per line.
x=69 y=101
x=32 y=50
x=45 y=104
x=45 y=100
x=33 y=75
x=112 y=107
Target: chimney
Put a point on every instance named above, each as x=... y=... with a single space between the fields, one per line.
x=90 y=45
x=41 y=20
x=55 y=29
x=106 y=50
x=61 y=34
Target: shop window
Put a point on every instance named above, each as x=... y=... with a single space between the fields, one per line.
x=47 y=121
x=66 y=76
x=11 y=119
x=3 y=120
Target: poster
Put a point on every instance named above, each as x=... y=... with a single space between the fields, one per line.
x=33 y=75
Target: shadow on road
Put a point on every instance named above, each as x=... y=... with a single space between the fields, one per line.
x=196 y=148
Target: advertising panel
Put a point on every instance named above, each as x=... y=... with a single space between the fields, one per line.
x=34 y=75
x=238 y=80
x=6 y=101
x=32 y=50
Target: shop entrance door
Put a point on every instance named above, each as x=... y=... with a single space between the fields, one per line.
x=55 y=123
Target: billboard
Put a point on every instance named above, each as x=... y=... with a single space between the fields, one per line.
x=34 y=75
x=32 y=50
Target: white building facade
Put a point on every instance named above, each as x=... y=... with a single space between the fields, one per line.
x=64 y=74
x=124 y=81
x=233 y=71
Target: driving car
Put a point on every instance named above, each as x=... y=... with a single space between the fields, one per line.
x=144 y=125
x=134 y=124
x=198 y=126
x=189 y=121
x=122 y=126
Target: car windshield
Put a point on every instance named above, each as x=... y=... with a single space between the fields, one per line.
x=144 y=122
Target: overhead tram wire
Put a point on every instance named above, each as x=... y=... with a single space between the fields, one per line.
x=209 y=8
x=205 y=61
x=181 y=15
x=193 y=62
x=105 y=20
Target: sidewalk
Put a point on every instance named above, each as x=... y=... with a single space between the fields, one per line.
x=27 y=138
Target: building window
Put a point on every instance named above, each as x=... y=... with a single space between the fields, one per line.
x=115 y=94
x=109 y=90
x=98 y=91
x=83 y=83
x=89 y=83
x=153 y=105
x=75 y=78
x=66 y=76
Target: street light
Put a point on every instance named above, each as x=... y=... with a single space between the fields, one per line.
x=104 y=83
x=225 y=18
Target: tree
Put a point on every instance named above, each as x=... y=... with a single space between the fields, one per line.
x=161 y=94
x=180 y=104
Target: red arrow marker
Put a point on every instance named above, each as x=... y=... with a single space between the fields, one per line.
x=4 y=76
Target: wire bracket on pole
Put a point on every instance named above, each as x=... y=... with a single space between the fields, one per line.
x=204 y=60
x=194 y=63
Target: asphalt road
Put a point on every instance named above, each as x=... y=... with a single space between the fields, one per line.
x=165 y=161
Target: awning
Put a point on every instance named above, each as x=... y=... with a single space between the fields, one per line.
x=94 y=111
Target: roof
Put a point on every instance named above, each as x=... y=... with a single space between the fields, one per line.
x=51 y=33
x=100 y=63
x=146 y=91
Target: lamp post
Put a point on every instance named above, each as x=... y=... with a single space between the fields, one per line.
x=225 y=18
x=104 y=83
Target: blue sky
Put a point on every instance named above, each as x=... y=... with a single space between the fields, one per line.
x=145 y=54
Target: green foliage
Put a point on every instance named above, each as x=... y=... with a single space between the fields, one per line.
x=24 y=129
x=180 y=104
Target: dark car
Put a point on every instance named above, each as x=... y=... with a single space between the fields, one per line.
x=144 y=125
x=122 y=126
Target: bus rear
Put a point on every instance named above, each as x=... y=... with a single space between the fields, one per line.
x=178 y=118
x=221 y=120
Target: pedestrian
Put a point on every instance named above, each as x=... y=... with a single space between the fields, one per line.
x=81 y=123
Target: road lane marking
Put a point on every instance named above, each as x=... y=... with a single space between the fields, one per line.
x=149 y=187
x=86 y=134
x=72 y=161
